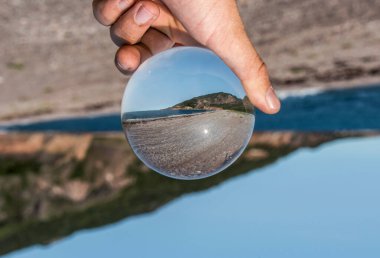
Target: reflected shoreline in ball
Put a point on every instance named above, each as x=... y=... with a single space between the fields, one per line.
x=185 y=114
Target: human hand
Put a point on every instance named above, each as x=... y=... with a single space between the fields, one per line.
x=144 y=28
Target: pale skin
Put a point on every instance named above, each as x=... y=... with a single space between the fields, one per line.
x=144 y=28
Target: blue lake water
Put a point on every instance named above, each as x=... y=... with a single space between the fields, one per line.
x=351 y=109
x=314 y=203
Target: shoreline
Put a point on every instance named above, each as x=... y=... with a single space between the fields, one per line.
x=299 y=91
x=142 y=120
x=282 y=93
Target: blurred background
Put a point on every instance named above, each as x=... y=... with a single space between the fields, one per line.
x=305 y=186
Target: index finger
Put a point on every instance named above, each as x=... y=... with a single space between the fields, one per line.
x=108 y=11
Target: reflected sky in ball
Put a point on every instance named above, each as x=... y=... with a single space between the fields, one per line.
x=177 y=68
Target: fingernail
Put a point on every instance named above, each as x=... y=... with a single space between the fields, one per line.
x=143 y=15
x=125 y=68
x=124 y=4
x=272 y=101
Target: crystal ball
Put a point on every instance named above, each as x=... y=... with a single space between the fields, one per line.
x=185 y=113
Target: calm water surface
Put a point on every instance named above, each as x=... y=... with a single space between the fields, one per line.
x=351 y=109
x=314 y=203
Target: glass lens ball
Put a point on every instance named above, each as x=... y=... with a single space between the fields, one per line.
x=185 y=113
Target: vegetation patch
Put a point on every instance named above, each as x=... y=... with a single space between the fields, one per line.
x=18 y=167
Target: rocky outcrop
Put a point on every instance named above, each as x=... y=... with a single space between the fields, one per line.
x=52 y=185
x=214 y=101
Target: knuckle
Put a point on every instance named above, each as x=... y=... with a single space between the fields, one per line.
x=262 y=67
x=262 y=70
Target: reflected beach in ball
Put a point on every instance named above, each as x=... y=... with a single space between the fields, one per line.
x=185 y=113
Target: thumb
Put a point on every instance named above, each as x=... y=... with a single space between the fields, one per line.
x=240 y=55
x=218 y=26
x=236 y=50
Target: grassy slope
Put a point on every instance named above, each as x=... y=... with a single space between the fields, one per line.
x=148 y=192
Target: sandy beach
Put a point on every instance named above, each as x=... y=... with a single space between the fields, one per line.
x=191 y=146
x=57 y=61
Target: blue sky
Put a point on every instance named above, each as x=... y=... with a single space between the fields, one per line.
x=315 y=203
x=177 y=75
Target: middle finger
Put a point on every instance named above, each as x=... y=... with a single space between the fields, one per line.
x=132 y=25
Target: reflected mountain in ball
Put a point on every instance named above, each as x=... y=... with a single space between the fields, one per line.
x=185 y=114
